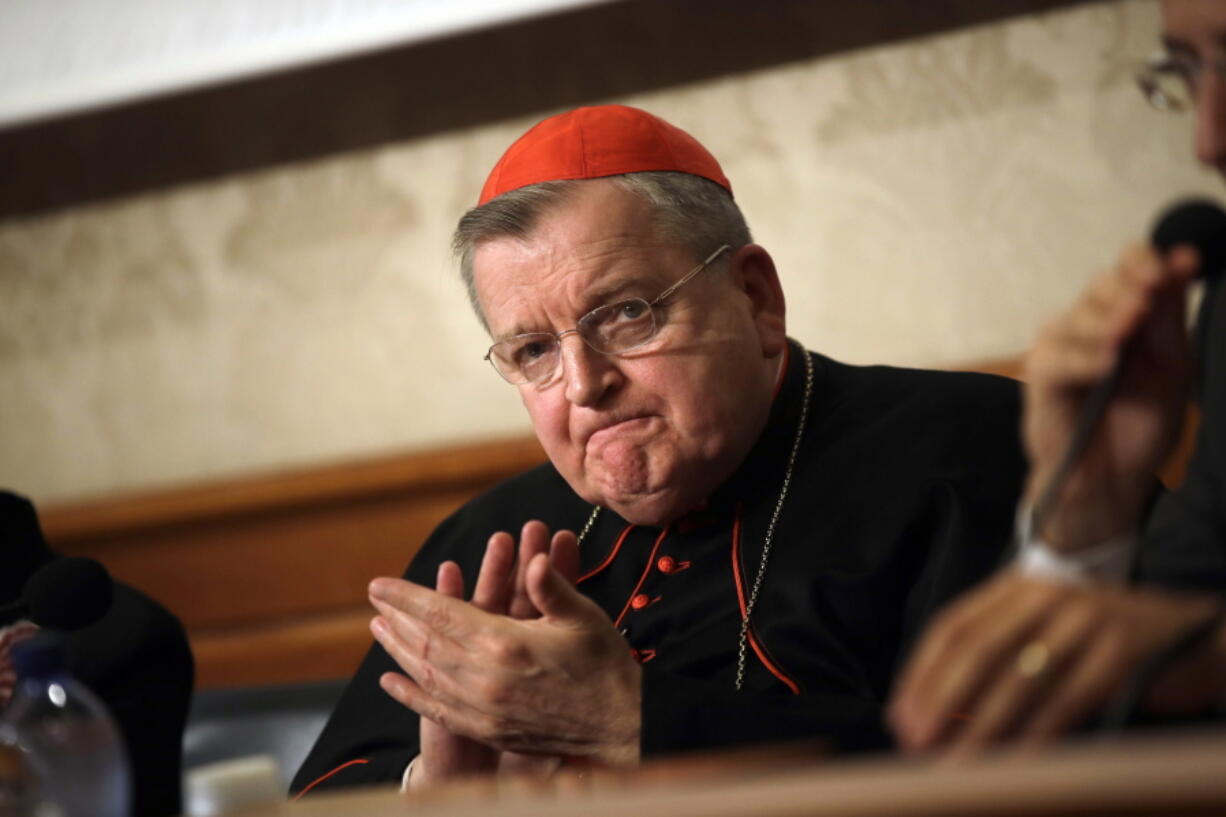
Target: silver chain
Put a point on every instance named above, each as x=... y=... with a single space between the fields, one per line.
x=770 y=529
x=591 y=520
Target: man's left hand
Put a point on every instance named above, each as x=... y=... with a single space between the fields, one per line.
x=1025 y=659
x=562 y=684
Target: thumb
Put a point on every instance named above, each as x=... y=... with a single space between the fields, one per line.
x=564 y=555
x=553 y=595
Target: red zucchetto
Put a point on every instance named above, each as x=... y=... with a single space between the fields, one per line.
x=605 y=140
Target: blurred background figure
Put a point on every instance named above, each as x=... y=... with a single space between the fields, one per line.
x=127 y=649
x=1028 y=659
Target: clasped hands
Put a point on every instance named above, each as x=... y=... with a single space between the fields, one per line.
x=527 y=672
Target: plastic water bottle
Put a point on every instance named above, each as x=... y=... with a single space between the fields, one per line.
x=68 y=737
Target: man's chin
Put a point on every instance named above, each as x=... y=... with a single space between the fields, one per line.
x=638 y=489
x=654 y=508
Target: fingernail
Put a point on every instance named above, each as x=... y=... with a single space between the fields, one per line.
x=378 y=626
x=378 y=587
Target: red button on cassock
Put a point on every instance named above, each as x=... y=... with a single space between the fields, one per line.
x=640 y=601
x=666 y=564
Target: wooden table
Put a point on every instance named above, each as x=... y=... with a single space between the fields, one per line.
x=1168 y=774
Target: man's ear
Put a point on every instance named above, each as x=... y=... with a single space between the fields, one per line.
x=753 y=271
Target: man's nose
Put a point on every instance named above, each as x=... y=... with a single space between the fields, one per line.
x=589 y=374
x=1211 y=121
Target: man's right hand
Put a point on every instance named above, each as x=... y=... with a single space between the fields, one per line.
x=1136 y=311
x=500 y=589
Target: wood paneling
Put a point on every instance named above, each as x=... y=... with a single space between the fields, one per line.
x=326 y=646
x=269 y=574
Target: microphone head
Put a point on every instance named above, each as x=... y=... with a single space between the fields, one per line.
x=1200 y=223
x=69 y=593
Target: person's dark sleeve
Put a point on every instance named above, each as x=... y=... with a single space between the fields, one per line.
x=1184 y=543
x=967 y=529
x=369 y=738
x=1183 y=546
x=137 y=660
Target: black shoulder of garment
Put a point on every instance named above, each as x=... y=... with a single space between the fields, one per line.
x=921 y=423
x=135 y=658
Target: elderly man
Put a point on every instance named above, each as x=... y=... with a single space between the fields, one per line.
x=761 y=530
x=1027 y=659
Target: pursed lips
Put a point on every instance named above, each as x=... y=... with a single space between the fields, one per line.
x=612 y=425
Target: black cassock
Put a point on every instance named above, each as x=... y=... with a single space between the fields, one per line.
x=903 y=496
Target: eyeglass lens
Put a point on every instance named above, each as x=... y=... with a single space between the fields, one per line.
x=1170 y=81
x=1168 y=84
x=610 y=329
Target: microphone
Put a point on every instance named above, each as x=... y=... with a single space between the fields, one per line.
x=1199 y=223
x=64 y=594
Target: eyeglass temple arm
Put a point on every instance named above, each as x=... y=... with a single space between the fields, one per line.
x=666 y=293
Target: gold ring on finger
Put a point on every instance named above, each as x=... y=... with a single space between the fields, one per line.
x=1032 y=659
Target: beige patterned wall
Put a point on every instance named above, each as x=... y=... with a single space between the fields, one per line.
x=927 y=202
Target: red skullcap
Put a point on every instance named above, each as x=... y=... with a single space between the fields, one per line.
x=607 y=140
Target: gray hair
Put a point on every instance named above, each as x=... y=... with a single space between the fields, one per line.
x=694 y=212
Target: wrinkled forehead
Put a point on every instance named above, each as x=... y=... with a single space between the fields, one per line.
x=591 y=246
x=1198 y=26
